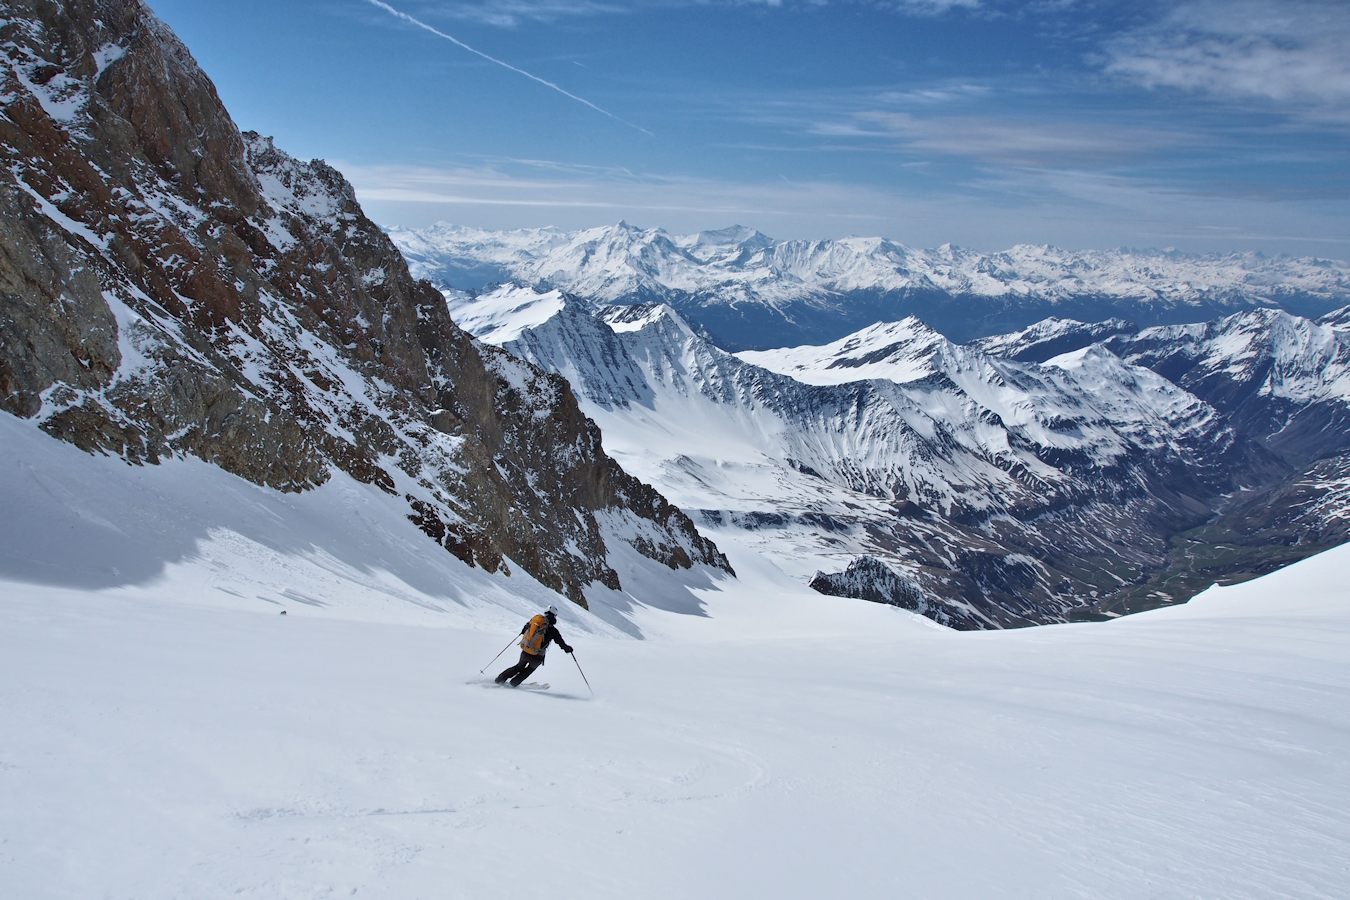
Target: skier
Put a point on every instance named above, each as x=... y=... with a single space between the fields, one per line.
x=537 y=634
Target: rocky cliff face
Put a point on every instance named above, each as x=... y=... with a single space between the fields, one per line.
x=169 y=285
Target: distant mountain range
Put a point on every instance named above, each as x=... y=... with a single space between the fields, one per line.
x=748 y=291
x=965 y=481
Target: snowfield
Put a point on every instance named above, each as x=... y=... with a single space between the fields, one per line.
x=167 y=734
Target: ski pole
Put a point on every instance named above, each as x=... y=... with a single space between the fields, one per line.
x=583 y=674
x=499 y=653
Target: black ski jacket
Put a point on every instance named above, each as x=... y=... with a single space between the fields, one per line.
x=550 y=637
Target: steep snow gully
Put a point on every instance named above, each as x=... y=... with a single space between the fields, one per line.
x=168 y=734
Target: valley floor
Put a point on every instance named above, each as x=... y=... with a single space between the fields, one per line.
x=782 y=745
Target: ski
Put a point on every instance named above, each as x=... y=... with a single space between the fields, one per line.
x=527 y=686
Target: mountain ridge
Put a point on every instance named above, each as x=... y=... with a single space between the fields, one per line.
x=170 y=285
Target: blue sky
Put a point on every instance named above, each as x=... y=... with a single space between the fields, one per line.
x=1197 y=124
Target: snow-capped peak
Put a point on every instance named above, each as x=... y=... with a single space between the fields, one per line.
x=623 y=319
x=1337 y=318
x=503 y=313
x=1050 y=337
x=902 y=351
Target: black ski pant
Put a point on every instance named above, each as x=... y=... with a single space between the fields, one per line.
x=521 y=670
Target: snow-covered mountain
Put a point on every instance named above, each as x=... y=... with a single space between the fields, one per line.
x=748 y=291
x=1049 y=338
x=1282 y=382
x=1337 y=318
x=1279 y=376
x=1264 y=367
x=1005 y=492
x=174 y=287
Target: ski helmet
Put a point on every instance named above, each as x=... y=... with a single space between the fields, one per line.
x=551 y=611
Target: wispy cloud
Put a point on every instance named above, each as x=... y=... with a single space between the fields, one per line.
x=1296 y=52
x=1021 y=140
x=935 y=94
x=566 y=187
x=514 y=13
x=1069 y=207
x=972 y=121
x=411 y=20
x=932 y=7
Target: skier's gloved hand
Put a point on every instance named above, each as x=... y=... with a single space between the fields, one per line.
x=567 y=649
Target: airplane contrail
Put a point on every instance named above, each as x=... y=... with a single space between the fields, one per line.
x=506 y=65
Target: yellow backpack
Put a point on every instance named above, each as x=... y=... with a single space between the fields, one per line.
x=535 y=634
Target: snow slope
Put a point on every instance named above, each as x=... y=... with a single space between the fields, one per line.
x=167 y=734
x=190 y=531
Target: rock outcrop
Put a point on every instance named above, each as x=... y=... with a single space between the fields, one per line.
x=868 y=578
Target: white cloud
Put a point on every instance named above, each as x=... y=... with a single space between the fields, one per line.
x=1010 y=140
x=513 y=13
x=935 y=94
x=547 y=184
x=1018 y=122
x=1295 y=52
x=1069 y=207
x=932 y=7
